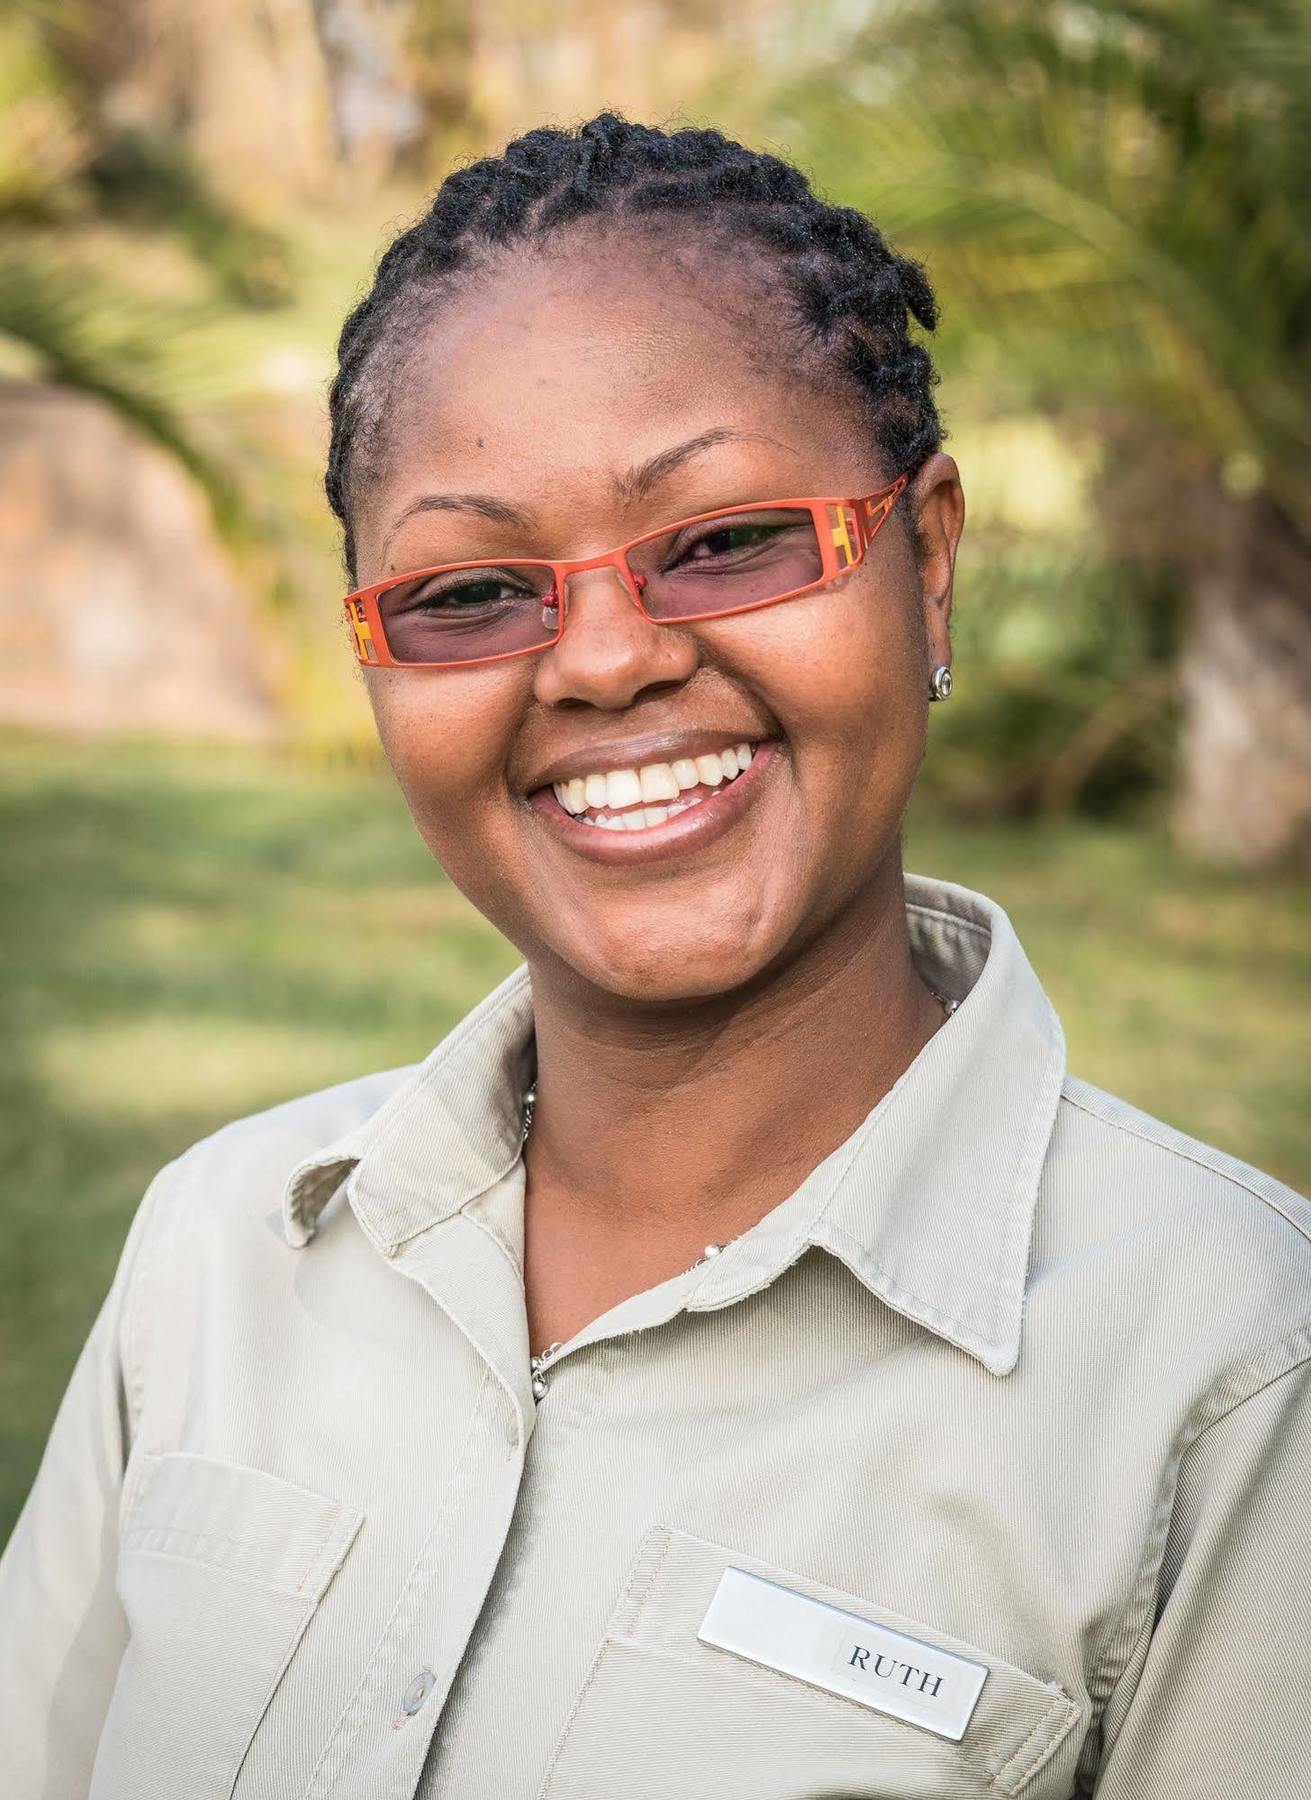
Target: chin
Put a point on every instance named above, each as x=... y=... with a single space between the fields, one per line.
x=670 y=970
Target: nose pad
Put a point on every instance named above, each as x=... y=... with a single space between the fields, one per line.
x=610 y=650
x=630 y=589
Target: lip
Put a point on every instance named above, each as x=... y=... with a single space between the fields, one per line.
x=633 y=753
x=688 y=831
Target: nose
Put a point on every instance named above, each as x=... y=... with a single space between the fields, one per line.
x=610 y=652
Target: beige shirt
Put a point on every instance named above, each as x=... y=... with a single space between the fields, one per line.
x=1007 y=1404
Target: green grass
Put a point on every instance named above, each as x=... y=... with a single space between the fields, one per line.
x=195 y=934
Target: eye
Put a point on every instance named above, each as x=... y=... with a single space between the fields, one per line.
x=728 y=543
x=465 y=591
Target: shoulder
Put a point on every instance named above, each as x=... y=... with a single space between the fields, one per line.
x=278 y=1138
x=1181 y=1245
x=241 y=1170
x=279 y=1167
x=1131 y=1146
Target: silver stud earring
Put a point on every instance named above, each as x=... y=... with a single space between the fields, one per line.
x=940 y=683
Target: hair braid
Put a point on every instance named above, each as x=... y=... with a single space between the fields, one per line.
x=851 y=295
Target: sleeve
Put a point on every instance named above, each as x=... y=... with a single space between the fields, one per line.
x=1220 y=1704
x=62 y=1632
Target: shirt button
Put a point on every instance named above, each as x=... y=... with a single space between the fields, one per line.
x=418 y=1691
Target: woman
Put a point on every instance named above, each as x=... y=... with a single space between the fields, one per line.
x=739 y=1361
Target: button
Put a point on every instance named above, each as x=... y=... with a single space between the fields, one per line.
x=418 y=1691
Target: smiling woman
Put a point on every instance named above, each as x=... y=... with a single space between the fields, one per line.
x=739 y=1360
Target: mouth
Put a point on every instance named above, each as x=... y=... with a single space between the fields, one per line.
x=657 y=808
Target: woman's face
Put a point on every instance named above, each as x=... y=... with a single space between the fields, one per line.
x=541 y=393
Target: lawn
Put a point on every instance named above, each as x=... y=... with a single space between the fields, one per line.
x=197 y=934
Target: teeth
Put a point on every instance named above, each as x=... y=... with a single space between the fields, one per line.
x=658 y=782
x=572 y=795
x=648 y=815
x=621 y=799
x=622 y=788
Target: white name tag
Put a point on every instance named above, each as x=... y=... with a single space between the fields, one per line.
x=836 y=1650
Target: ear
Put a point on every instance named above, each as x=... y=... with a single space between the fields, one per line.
x=937 y=507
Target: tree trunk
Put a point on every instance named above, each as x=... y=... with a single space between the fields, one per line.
x=1245 y=779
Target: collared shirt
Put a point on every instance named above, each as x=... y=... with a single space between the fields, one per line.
x=981 y=1465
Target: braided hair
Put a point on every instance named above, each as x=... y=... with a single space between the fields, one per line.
x=850 y=294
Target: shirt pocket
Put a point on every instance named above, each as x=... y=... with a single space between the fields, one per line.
x=220 y=1569
x=664 y=1716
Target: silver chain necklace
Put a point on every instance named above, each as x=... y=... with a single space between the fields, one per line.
x=537 y=1364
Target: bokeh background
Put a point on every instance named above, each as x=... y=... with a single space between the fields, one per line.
x=212 y=896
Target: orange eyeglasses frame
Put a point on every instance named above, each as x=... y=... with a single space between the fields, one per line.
x=845 y=527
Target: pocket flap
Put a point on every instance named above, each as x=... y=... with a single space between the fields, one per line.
x=1016 y=1721
x=242 y=1521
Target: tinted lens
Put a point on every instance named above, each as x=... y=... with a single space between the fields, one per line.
x=460 y=615
x=721 y=564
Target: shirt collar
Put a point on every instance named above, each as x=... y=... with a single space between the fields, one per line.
x=930 y=1202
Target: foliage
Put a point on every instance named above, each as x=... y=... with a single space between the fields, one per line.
x=1116 y=186
x=1112 y=198
x=66 y=173
x=1066 y=697
x=139 y=177
x=1110 y=194
x=89 y=334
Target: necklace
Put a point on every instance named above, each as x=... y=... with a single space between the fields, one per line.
x=537 y=1364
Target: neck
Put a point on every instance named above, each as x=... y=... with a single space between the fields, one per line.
x=701 y=1118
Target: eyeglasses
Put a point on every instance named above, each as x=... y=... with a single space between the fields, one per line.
x=730 y=561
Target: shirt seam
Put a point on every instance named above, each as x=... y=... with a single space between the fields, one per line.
x=1102 y=1682
x=951 y=918
x=138 y=1342
x=562 y=1744
x=1042 y=1743
x=895 y=1288
x=485 y=1225
x=417 y=1582
x=130 y=1547
x=1130 y=1129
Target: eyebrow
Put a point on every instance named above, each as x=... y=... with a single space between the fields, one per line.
x=638 y=482
x=483 y=506
x=634 y=485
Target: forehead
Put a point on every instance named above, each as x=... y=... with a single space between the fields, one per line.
x=547 y=377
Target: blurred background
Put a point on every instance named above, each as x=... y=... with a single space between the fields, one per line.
x=212 y=896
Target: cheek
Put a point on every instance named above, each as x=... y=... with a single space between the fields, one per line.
x=447 y=738
x=846 y=679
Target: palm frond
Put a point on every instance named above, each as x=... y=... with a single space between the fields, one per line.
x=87 y=333
x=1116 y=189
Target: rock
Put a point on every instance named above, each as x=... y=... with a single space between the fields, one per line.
x=119 y=609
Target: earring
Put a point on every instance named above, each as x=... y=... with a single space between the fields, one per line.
x=940 y=683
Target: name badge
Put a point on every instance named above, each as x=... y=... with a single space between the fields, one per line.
x=845 y=1654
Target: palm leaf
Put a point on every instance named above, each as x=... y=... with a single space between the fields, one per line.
x=84 y=331
x=1116 y=191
